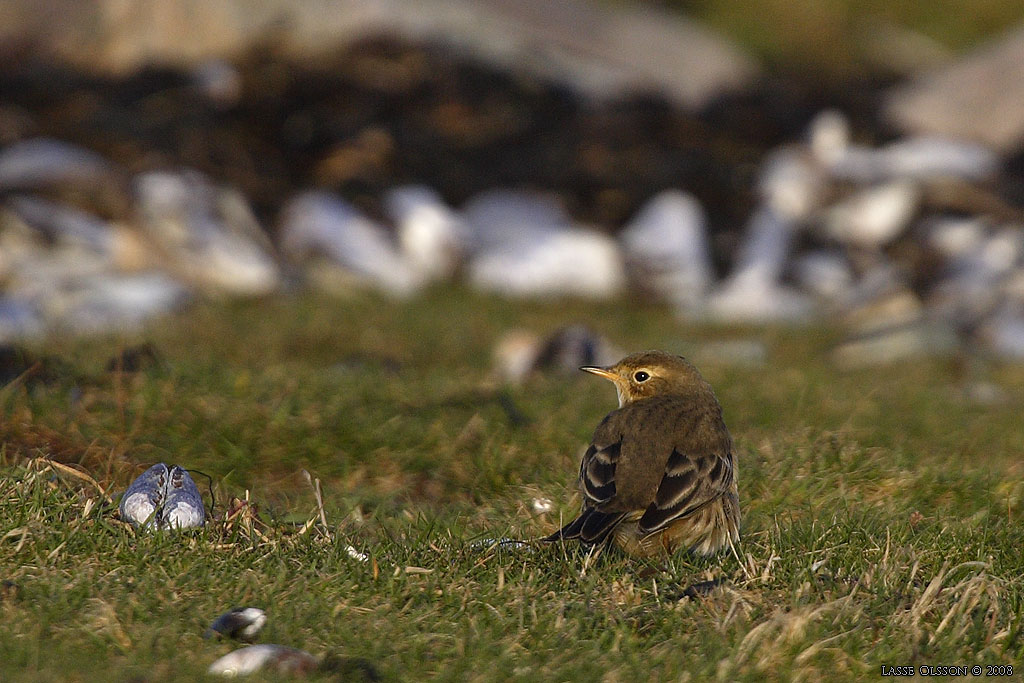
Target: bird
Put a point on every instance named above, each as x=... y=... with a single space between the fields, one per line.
x=660 y=473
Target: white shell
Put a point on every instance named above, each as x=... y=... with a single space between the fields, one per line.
x=250 y=659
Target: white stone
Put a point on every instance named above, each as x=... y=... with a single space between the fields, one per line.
x=318 y=223
x=43 y=162
x=252 y=658
x=210 y=232
x=666 y=248
x=564 y=263
x=497 y=218
x=825 y=274
x=791 y=183
x=432 y=236
x=873 y=217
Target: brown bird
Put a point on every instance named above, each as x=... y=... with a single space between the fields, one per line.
x=659 y=473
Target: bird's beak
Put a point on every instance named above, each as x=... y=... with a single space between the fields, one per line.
x=600 y=372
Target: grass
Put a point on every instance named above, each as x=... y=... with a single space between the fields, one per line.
x=881 y=508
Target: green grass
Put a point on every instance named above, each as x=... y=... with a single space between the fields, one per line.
x=881 y=509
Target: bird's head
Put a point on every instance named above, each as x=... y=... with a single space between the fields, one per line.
x=651 y=373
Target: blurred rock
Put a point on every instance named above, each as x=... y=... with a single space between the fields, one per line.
x=979 y=98
x=573 y=262
x=219 y=82
x=210 y=233
x=874 y=217
x=753 y=292
x=433 y=238
x=791 y=183
x=44 y=162
x=74 y=228
x=320 y=224
x=19 y=319
x=667 y=252
x=825 y=274
x=511 y=218
x=603 y=51
x=105 y=304
x=971 y=283
x=277 y=659
x=1003 y=333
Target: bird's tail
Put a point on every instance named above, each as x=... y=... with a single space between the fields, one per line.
x=592 y=526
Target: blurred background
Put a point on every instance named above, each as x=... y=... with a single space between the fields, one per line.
x=762 y=162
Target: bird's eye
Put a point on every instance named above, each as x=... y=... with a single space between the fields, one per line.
x=641 y=376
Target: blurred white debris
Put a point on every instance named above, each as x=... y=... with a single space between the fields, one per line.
x=954 y=237
x=753 y=292
x=44 y=162
x=210 y=232
x=542 y=506
x=824 y=273
x=19 y=320
x=922 y=158
x=791 y=183
x=511 y=218
x=666 y=249
x=974 y=98
x=829 y=137
x=432 y=236
x=356 y=554
x=1003 y=333
x=573 y=262
x=240 y=623
x=873 y=217
x=163 y=498
x=971 y=284
x=219 y=82
x=276 y=658
x=108 y=303
x=320 y=224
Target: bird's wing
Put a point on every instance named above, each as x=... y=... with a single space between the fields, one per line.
x=597 y=482
x=689 y=483
x=597 y=473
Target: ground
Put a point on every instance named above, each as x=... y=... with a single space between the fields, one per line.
x=880 y=507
